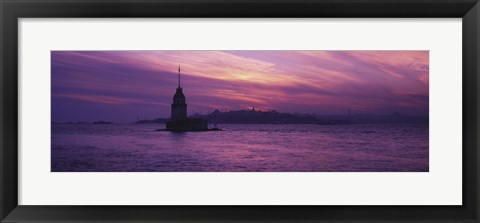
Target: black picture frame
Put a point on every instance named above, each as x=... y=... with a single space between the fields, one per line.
x=12 y=10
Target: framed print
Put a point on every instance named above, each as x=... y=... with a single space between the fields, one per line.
x=239 y=111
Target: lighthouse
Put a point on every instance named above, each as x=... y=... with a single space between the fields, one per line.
x=179 y=105
x=179 y=122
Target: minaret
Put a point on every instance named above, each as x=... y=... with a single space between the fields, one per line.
x=179 y=106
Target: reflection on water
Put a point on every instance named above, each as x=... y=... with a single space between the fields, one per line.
x=276 y=148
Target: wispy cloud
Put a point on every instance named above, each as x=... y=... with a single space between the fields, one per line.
x=107 y=99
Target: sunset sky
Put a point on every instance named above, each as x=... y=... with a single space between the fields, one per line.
x=120 y=86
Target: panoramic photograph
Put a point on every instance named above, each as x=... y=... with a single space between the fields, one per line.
x=240 y=111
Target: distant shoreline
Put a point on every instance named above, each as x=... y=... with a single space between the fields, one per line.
x=273 y=117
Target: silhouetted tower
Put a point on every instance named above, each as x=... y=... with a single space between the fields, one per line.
x=179 y=106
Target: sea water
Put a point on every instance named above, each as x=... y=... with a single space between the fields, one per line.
x=240 y=148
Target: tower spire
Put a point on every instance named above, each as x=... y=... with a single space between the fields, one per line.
x=179 y=75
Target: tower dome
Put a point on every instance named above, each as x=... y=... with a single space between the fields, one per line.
x=179 y=94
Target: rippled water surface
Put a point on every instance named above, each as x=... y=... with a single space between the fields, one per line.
x=276 y=148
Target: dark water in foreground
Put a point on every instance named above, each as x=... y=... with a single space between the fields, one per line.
x=276 y=148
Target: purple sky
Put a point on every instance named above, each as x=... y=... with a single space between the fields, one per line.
x=120 y=86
